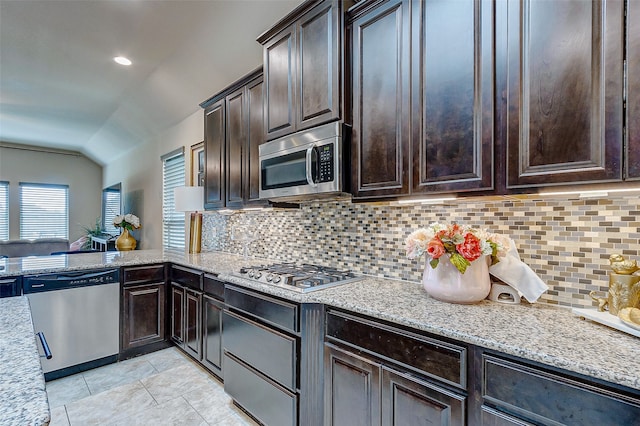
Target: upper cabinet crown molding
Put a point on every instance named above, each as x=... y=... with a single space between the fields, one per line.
x=303 y=68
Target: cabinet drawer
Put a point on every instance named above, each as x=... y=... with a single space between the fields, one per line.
x=273 y=311
x=441 y=360
x=142 y=274
x=270 y=352
x=187 y=277
x=10 y=286
x=491 y=417
x=213 y=286
x=547 y=398
x=264 y=399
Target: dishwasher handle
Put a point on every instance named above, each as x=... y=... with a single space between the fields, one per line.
x=45 y=345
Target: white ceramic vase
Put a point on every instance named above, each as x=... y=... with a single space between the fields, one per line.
x=447 y=284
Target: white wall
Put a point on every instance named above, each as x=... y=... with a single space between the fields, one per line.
x=37 y=165
x=140 y=172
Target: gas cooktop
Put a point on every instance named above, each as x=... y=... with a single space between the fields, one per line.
x=299 y=277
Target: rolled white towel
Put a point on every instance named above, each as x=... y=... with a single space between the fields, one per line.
x=518 y=275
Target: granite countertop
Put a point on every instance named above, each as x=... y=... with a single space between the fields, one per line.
x=23 y=398
x=537 y=332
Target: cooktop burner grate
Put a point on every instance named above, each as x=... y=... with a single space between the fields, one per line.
x=299 y=277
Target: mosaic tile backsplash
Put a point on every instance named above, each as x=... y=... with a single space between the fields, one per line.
x=567 y=242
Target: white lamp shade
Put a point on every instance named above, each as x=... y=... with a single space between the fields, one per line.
x=189 y=198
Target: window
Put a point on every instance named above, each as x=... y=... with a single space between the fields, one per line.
x=4 y=211
x=172 y=221
x=110 y=209
x=44 y=211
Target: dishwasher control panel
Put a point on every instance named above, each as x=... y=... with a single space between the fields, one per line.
x=61 y=281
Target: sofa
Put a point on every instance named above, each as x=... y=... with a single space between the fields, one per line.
x=38 y=247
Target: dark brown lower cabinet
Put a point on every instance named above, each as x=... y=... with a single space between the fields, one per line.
x=192 y=323
x=177 y=314
x=143 y=314
x=544 y=397
x=143 y=318
x=197 y=303
x=186 y=319
x=212 y=334
x=363 y=392
x=378 y=374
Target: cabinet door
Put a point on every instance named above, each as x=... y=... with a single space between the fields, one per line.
x=255 y=136
x=143 y=315
x=380 y=79
x=452 y=95
x=318 y=78
x=212 y=334
x=177 y=314
x=280 y=79
x=235 y=142
x=192 y=323
x=407 y=400
x=352 y=389
x=633 y=91
x=214 y=142
x=564 y=92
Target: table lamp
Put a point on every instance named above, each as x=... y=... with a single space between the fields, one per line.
x=191 y=199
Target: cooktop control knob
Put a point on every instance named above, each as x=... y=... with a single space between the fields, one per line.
x=257 y=274
x=251 y=272
x=276 y=279
x=269 y=277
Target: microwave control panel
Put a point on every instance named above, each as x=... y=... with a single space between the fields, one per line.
x=325 y=163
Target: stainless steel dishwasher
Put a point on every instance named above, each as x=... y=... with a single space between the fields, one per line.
x=79 y=313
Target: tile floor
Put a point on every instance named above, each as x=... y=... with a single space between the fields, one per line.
x=161 y=388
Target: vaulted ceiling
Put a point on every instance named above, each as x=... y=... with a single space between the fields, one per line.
x=59 y=85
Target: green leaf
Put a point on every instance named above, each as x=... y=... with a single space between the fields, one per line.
x=458 y=239
x=459 y=262
x=434 y=263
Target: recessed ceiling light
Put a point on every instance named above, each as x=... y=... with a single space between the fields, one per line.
x=122 y=60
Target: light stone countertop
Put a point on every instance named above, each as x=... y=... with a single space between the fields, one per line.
x=536 y=332
x=23 y=398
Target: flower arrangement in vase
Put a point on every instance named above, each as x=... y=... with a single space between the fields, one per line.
x=127 y=222
x=458 y=260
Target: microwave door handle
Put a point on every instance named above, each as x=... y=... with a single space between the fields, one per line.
x=310 y=152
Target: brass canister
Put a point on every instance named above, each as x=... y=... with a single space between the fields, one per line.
x=624 y=292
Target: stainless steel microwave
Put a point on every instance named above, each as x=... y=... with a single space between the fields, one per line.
x=305 y=165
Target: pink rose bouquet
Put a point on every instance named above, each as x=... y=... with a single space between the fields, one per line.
x=464 y=245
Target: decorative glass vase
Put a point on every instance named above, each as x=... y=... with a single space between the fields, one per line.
x=125 y=241
x=447 y=284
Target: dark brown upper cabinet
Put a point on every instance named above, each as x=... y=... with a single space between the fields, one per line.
x=633 y=91
x=303 y=70
x=380 y=78
x=214 y=154
x=423 y=102
x=233 y=132
x=452 y=94
x=564 y=92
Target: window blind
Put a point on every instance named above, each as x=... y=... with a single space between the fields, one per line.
x=111 y=208
x=173 y=171
x=4 y=211
x=44 y=211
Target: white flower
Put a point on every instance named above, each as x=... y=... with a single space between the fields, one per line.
x=127 y=221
